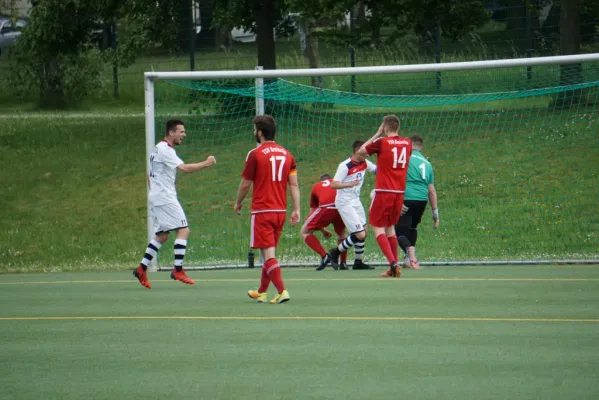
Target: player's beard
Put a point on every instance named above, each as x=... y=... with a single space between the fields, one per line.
x=257 y=138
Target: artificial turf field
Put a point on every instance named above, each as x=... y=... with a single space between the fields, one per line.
x=442 y=332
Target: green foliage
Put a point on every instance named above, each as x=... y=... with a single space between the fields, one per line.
x=242 y=13
x=8 y=8
x=456 y=18
x=142 y=25
x=53 y=58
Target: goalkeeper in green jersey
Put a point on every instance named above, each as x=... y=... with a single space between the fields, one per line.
x=420 y=188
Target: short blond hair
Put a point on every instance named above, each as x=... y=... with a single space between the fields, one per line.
x=391 y=122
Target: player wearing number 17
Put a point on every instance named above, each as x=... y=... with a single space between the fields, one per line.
x=270 y=168
x=393 y=158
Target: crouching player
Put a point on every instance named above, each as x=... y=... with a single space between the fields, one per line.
x=322 y=214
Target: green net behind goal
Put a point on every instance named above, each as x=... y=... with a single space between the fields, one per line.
x=515 y=153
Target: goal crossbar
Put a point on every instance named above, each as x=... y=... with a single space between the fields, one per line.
x=390 y=69
x=259 y=74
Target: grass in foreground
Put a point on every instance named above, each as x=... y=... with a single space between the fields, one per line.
x=494 y=333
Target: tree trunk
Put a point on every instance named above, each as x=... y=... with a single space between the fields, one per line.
x=309 y=47
x=222 y=38
x=570 y=27
x=570 y=74
x=51 y=91
x=264 y=11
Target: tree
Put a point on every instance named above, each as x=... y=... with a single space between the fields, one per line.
x=455 y=17
x=8 y=8
x=259 y=16
x=266 y=14
x=589 y=19
x=52 y=55
x=570 y=40
x=55 y=57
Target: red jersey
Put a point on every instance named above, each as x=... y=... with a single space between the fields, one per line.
x=323 y=195
x=392 y=164
x=269 y=167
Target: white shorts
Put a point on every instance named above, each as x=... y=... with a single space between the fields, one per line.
x=168 y=217
x=353 y=217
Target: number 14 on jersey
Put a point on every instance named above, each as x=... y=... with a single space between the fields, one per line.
x=400 y=158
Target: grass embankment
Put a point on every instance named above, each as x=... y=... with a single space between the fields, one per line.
x=511 y=185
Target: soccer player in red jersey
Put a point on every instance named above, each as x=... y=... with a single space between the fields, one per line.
x=393 y=156
x=322 y=214
x=270 y=168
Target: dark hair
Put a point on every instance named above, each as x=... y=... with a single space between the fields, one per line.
x=171 y=125
x=417 y=139
x=266 y=124
x=324 y=177
x=357 y=144
x=392 y=122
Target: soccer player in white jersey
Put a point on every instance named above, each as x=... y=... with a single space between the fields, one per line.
x=348 y=181
x=164 y=204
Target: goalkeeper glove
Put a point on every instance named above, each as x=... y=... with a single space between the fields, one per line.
x=435 y=212
x=404 y=209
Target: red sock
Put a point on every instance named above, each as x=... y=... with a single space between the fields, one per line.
x=343 y=256
x=385 y=247
x=313 y=242
x=264 y=281
x=273 y=269
x=394 y=245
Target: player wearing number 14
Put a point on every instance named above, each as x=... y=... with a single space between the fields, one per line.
x=270 y=168
x=393 y=153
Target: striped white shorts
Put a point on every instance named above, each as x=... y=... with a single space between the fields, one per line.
x=168 y=217
x=353 y=217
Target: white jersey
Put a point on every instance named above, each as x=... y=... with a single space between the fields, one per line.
x=349 y=171
x=163 y=173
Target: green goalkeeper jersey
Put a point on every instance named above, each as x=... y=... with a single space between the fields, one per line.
x=420 y=175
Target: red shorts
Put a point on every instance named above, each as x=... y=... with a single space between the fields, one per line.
x=385 y=209
x=323 y=217
x=266 y=228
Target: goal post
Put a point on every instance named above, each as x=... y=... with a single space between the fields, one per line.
x=513 y=144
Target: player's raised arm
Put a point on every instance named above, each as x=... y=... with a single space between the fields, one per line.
x=188 y=168
x=362 y=152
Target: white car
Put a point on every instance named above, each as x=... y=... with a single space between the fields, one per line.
x=241 y=35
x=9 y=33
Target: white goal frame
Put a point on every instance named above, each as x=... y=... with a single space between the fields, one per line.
x=259 y=74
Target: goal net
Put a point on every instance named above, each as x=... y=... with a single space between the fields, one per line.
x=514 y=145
